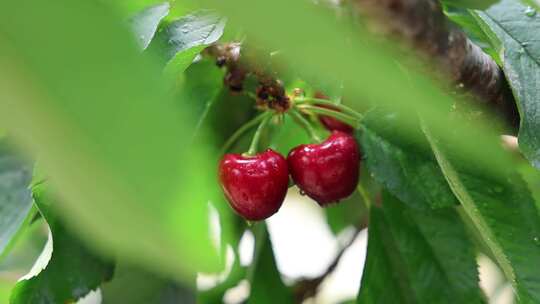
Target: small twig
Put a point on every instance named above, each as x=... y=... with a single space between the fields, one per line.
x=308 y=288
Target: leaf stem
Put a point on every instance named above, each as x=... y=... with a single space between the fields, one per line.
x=257 y=136
x=305 y=124
x=243 y=129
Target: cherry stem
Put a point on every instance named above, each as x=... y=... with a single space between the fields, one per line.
x=338 y=115
x=243 y=129
x=365 y=196
x=305 y=124
x=341 y=107
x=257 y=136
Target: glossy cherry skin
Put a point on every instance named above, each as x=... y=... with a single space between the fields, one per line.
x=329 y=122
x=326 y=172
x=255 y=186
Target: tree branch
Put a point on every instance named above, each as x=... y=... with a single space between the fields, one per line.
x=307 y=288
x=421 y=25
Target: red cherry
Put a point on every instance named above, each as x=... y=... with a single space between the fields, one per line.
x=255 y=186
x=329 y=171
x=329 y=122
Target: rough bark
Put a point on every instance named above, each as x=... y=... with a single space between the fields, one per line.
x=421 y=25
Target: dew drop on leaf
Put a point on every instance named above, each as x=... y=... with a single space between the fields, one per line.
x=530 y=11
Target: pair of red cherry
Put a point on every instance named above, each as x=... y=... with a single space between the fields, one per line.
x=255 y=186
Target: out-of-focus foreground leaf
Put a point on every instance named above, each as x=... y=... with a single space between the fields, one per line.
x=15 y=194
x=476 y=4
x=504 y=213
x=112 y=141
x=418 y=257
x=516 y=27
x=263 y=275
x=137 y=286
x=72 y=271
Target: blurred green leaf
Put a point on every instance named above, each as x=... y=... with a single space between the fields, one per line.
x=475 y=4
x=504 y=213
x=113 y=142
x=409 y=173
x=516 y=26
x=216 y=294
x=5 y=289
x=234 y=275
x=134 y=285
x=201 y=86
x=129 y=8
x=15 y=194
x=263 y=275
x=73 y=270
x=145 y=23
x=418 y=257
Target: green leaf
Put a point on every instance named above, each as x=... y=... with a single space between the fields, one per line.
x=418 y=257
x=73 y=270
x=134 y=285
x=145 y=23
x=263 y=275
x=112 y=140
x=516 y=27
x=194 y=31
x=407 y=171
x=504 y=212
x=5 y=289
x=15 y=194
x=201 y=86
x=466 y=19
x=349 y=212
x=475 y=4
